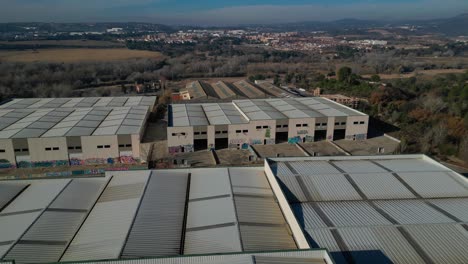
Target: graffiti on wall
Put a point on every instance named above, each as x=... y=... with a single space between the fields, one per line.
x=245 y=146
x=361 y=136
x=128 y=160
x=180 y=149
x=256 y=142
x=211 y=147
x=236 y=141
x=268 y=133
x=95 y=161
x=5 y=164
x=76 y=162
x=294 y=140
x=309 y=139
x=42 y=164
x=270 y=141
x=302 y=132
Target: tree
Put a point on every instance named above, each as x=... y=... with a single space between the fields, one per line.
x=375 y=78
x=344 y=74
x=277 y=80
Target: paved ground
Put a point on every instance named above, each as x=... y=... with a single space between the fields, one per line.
x=233 y=157
x=202 y=158
x=322 y=148
x=284 y=150
x=369 y=146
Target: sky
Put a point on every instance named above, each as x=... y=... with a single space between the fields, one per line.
x=224 y=12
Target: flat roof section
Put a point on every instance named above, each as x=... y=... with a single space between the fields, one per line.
x=275 y=90
x=60 y=122
x=205 y=114
x=81 y=102
x=195 y=90
x=222 y=90
x=248 y=89
x=378 y=208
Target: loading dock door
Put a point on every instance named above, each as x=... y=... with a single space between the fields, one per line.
x=339 y=134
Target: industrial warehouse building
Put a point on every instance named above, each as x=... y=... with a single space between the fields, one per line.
x=370 y=209
x=77 y=131
x=262 y=121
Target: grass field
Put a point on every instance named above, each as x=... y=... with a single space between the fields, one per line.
x=64 y=43
x=75 y=55
x=426 y=73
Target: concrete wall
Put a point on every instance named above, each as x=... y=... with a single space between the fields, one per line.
x=91 y=151
x=357 y=131
x=254 y=136
x=297 y=132
x=45 y=149
x=179 y=140
x=9 y=154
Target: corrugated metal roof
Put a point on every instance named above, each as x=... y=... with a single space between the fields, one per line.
x=12 y=227
x=311 y=255
x=352 y=213
x=331 y=187
x=208 y=183
x=307 y=216
x=210 y=212
x=434 y=184
x=8 y=191
x=456 y=207
x=214 y=240
x=260 y=210
x=381 y=186
x=443 y=243
x=409 y=165
x=78 y=102
x=249 y=181
x=35 y=253
x=287 y=260
x=37 y=196
x=412 y=212
x=103 y=234
x=379 y=245
x=158 y=226
x=80 y=194
x=358 y=166
x=262 y=238
x=380 y=226
x=314 y=167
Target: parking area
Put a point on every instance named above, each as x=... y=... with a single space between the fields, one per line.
x=380 y=145
x=322 y=148
x=278 y=150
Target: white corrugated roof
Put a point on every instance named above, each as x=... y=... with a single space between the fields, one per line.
x=392 y=214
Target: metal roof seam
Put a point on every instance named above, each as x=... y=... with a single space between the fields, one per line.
x=184 y=222
x=135 y=215
x=35 y=220
x=104 y=186
x=235 y=209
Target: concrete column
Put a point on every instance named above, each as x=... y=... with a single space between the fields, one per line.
x=210 y=133
x=330 y=128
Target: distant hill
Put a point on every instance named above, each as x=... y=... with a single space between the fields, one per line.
x=454 y=26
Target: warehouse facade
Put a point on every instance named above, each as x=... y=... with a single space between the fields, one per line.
x=261 y=121
x=72 y=131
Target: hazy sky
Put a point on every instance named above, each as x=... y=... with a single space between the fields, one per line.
x=211 y=12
